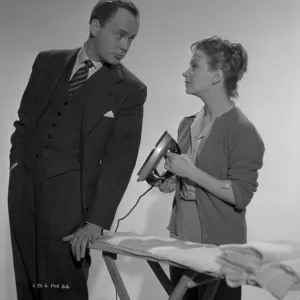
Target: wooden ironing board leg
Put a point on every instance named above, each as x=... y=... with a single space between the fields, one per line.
x=211 y=290
x=161 y=276
x=109 y=260
x=186 y=281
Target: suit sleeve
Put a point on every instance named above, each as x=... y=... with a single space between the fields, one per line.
x=118 y=162
x=22 y=125
x=245 y=160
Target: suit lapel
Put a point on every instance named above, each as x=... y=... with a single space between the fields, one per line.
x=54 y=72
x=103 y=92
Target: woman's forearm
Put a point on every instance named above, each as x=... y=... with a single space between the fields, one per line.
x=219 y=188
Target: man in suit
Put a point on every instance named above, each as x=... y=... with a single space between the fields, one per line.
x=73 y=152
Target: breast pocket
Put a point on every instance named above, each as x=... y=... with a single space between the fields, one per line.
x=105 y=125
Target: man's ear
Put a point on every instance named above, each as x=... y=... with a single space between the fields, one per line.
x=94 y=27
x=218 y=77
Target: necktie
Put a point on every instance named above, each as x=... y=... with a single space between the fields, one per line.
x=80 y=77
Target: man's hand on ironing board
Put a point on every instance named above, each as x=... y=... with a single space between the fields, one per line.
x=79 y=240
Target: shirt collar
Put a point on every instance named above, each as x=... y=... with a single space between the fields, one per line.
x=195 y=113
x=197 y=129
x=82 y=56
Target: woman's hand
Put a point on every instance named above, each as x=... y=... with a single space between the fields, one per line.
x=180 y=165
x=168 y=186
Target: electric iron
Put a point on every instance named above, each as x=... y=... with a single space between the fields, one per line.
x=148 y=171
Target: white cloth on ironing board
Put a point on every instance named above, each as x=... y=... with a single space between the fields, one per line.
x=274 y=266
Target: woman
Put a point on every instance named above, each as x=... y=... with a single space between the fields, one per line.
x=216 y=176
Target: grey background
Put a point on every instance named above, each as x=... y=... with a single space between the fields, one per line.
x=268 y=29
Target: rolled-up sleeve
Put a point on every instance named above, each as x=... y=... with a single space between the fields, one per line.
x=245 y=159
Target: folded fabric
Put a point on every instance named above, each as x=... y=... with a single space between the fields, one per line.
x=277 y=278
x=272 y=266
x=259 y=253
x=234 y=275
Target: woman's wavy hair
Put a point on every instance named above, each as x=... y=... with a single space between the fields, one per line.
x=227 y=56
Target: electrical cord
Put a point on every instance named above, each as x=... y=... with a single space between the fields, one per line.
x=123 y=218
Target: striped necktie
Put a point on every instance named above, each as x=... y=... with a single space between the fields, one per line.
x=80 y=77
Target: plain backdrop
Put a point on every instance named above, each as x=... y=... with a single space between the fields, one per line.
x=269 y=96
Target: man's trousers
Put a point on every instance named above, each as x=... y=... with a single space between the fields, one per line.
x=41 y=213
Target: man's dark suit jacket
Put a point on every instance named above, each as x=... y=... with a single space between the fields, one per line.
x=108 y=146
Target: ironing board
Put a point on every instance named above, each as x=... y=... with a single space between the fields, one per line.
x=273 y=266
x=188 y=280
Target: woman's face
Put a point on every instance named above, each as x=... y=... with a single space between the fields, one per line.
x=198 y=77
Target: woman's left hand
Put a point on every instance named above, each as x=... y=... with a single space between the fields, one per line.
x=179 y=165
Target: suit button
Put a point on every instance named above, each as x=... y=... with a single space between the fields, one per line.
x=54 y=125
x=49 y=137
x=59 y=113
x=65 y=103
x=45 y=147
x=37 y=156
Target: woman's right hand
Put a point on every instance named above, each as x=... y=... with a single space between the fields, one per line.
x=167 y=186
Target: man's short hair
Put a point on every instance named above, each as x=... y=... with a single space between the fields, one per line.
x=104 y=10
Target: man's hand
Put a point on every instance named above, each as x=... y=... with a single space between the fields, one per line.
x=80 y=239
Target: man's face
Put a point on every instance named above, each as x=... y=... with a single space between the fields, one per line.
x=113 y=40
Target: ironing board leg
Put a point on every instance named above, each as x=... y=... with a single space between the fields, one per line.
x=186 y=281
x=184 y=284
x=115 y=276
x=211 y=290
x=161 y=276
